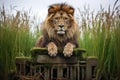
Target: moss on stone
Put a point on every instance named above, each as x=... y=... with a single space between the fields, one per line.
x=44 y=51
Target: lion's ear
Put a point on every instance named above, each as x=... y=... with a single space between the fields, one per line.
x=51 y=10
x=68 y=9
x=71 y=11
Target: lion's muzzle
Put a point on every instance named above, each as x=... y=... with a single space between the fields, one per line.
x=61 y=30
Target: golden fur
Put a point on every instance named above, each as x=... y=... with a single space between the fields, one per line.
x=59 y=30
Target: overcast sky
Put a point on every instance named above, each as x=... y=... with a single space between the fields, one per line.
x=40 y=7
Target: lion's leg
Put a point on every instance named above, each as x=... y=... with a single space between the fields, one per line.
x=39 y=41
x=52 y=49
x=68 y=49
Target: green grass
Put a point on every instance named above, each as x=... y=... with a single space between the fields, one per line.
x=15 y=40
x=101 y=38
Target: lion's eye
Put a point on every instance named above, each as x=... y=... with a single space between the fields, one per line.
x=56 y=18
x=66 y=19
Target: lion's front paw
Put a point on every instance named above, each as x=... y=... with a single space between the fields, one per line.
x=52 y=49
x=68 y=50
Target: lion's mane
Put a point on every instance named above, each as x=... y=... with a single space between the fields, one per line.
x=48 y=33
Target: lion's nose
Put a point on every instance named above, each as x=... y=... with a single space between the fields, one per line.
x=61 y=26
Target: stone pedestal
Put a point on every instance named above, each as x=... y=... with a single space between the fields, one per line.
x=41 y=66
x=60 y=67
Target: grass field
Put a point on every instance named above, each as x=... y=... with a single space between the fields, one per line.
x=100 y=36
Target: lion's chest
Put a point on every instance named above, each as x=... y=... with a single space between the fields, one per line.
x=59 y=43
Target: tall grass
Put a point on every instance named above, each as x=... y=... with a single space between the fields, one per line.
x=101 y=38
x=16 y=39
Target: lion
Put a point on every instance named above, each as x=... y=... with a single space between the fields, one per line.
x=59 y=30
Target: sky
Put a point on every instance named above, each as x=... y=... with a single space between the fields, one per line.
x=40 y=7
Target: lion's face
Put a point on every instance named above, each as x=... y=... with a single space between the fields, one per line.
x=60 y=17
x=60 y=22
